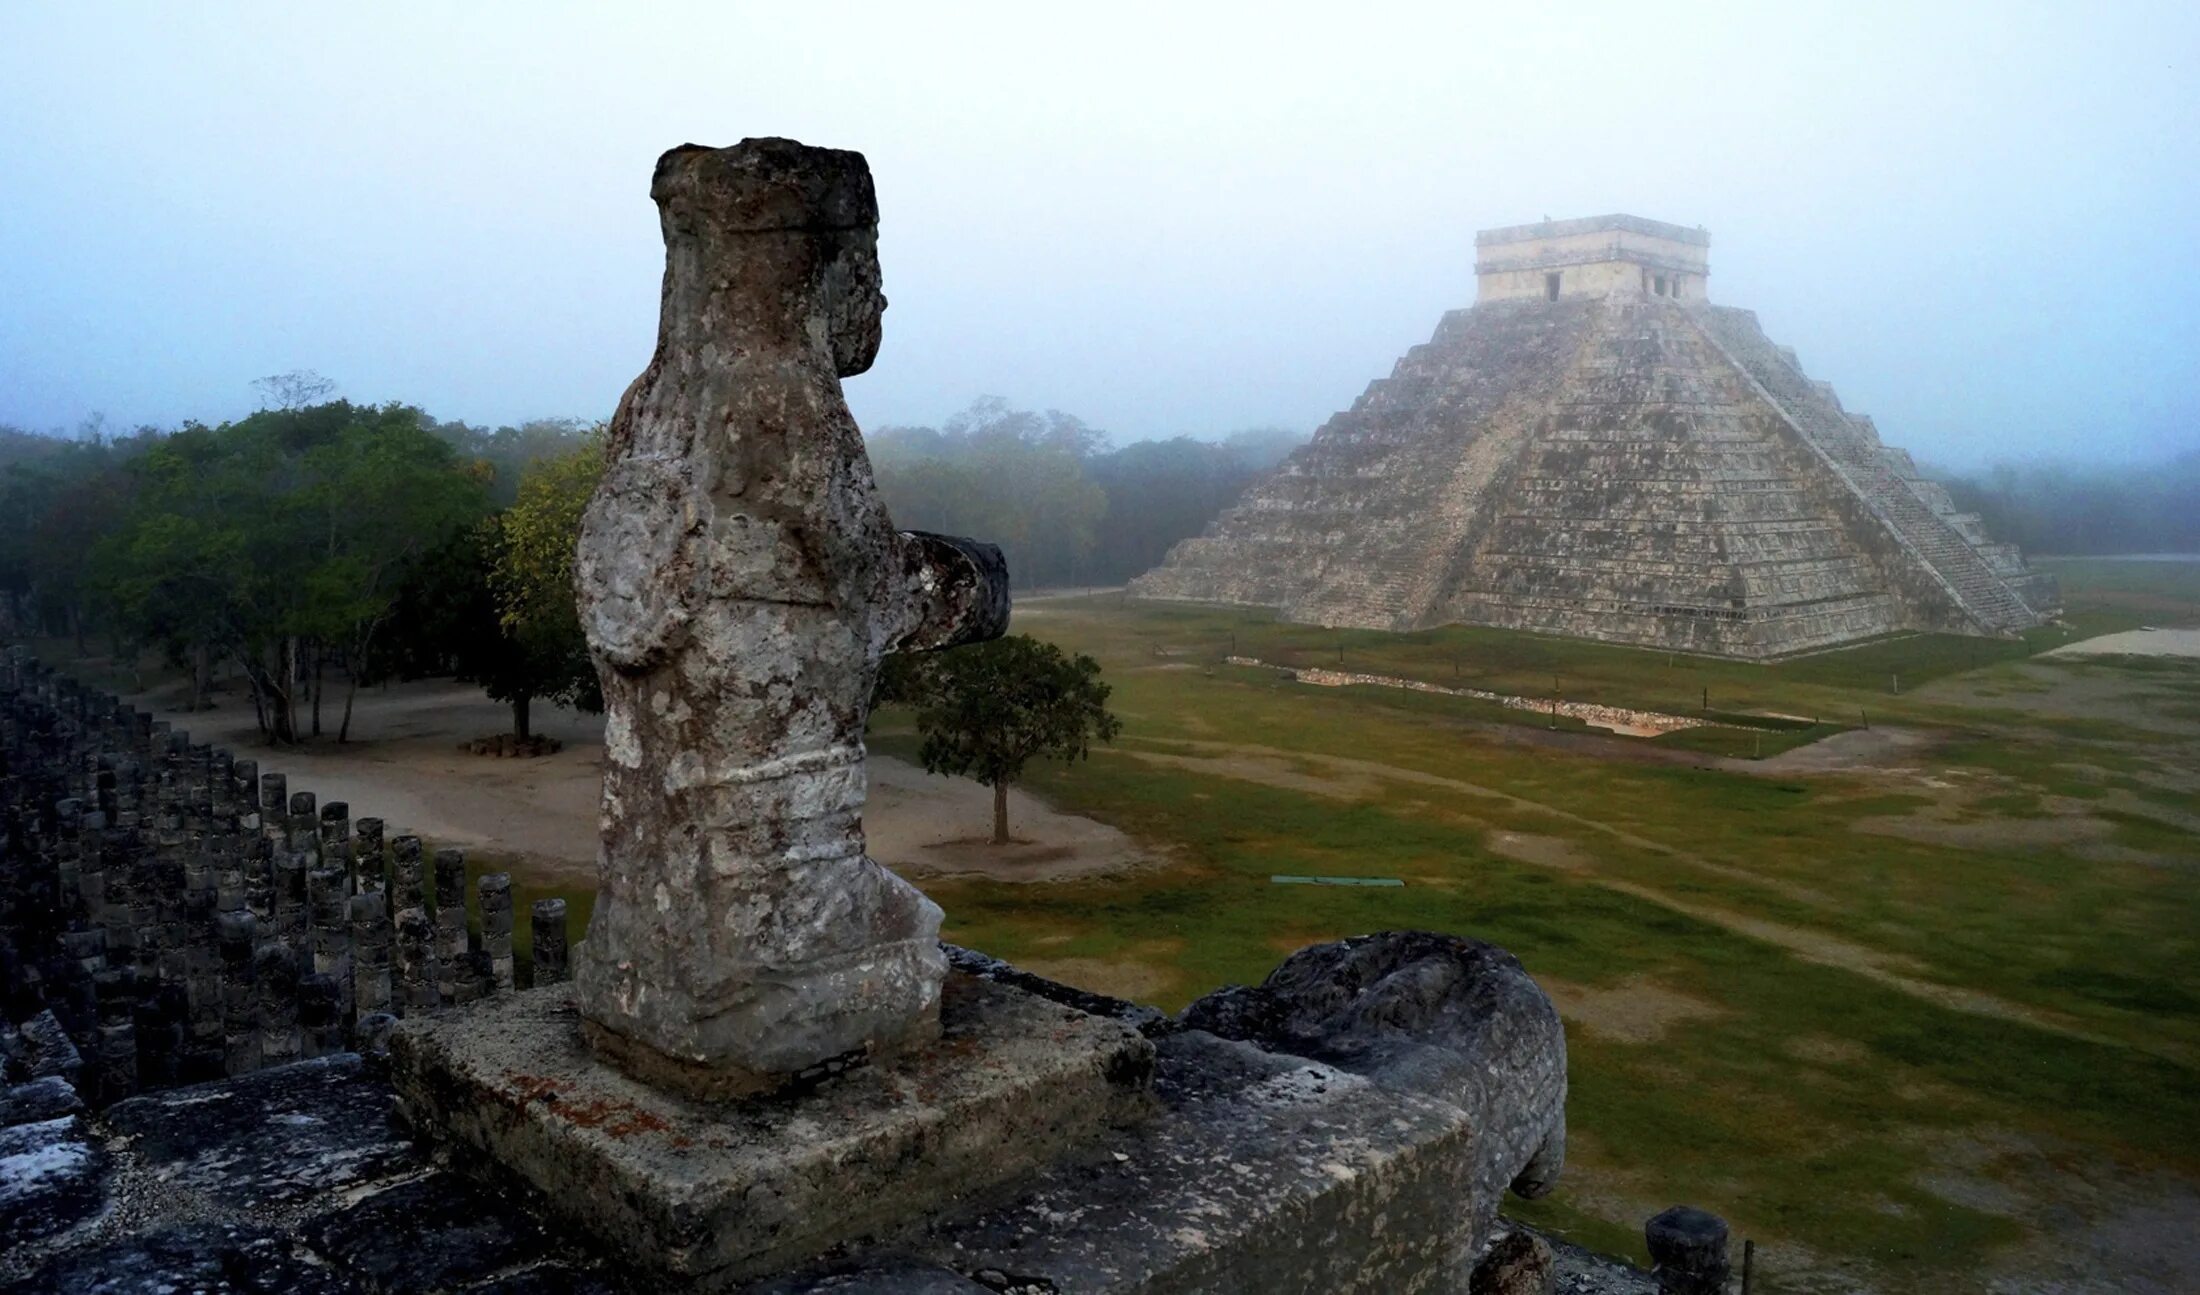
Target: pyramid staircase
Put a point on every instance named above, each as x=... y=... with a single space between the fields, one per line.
x=1856 y=454
x=1622 y=468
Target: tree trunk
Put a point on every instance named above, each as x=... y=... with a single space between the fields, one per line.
x=202 y=674
x=76 y=627
x=1000 y=812
x=520 y=705
x=317 y=656
x=281 y=710
x=351 y=691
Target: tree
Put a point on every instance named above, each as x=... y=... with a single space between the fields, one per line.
x=284 y=540
x=986 y=710
x=293 y=390
x=531 y=578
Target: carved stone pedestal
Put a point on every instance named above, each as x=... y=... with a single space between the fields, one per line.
x=715 y=1193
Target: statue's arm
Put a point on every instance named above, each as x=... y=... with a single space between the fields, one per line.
x=950 y=591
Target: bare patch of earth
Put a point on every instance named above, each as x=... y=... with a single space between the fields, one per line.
x=2094 y=1227
x=403 y=766
x=1542 y=851
x=2055 y=687
x=1284 y=770
x=924 y=824
x=1116 y=977
x=2141 y=642
x=1635 y=1010
x=2067 y=825
x=1934 y=827
x=1827 y=1050
x=1858 y=748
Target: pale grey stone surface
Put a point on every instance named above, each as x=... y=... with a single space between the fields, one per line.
x=1423 y=1012
x=739 y=582
x=713 y=1192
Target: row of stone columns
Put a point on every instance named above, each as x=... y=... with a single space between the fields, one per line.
x=185 y=916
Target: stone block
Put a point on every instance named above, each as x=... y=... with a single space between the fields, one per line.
x=208 y=1258
x=52 y=1177
x=724 y=1192
x=427 y=1234
x=49 y=1098
x=273 y=1137
x=1262 y=1172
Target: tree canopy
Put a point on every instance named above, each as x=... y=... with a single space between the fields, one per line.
x=290 y=528
x=987 y=710
x=1065 y=508
x=541 y=651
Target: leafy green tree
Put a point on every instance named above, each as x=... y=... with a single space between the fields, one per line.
x=987 y=710
x=531 y=580
x=285 y=540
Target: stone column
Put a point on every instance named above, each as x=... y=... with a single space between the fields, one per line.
x=453 y=984
x=275 y=976
x=739 y=581
x=237 y=933
x=293 y=917
x=405 y=874
x=1688 y=1251
x=274 y=802
x=495 y=890
x=336 y=838
x=546 y=933
x=370 y=955
x=330 y=902
x=320 y=1015
x=369 y=859
x=416 y=971
x=302 y=830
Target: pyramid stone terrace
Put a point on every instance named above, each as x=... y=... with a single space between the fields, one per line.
x=1595 y=450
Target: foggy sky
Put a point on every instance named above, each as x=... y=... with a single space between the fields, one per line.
x=1978 y=222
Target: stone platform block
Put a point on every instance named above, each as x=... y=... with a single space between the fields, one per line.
x=717 y=1193
x=1262 y=1172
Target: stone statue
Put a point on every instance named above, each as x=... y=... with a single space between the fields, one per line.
x=739 y=582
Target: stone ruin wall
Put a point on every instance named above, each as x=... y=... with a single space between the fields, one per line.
x=169 y=914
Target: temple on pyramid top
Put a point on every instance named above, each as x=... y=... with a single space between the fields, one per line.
x=1594 y=449
x=1594 y=256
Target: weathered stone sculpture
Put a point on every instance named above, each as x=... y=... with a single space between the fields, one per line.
x=739 y=582
x=1423 y=1012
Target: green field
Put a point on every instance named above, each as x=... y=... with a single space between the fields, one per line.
x=1899 y=1002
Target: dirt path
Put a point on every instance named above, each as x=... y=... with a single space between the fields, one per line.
x=405 y=767
x=2141 y=642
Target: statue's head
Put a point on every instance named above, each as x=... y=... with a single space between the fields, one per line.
x=816 y=214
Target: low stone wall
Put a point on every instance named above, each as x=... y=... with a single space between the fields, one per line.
x=1643 y=723
x=170 y=914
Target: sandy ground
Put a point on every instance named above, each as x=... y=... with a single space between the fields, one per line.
x=1636 y=1010
x=404 y=765
x=2143 y=642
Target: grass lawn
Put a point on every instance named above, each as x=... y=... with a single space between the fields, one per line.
x=1891 y=1015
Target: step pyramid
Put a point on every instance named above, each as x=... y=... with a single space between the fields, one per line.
x=1595 y=450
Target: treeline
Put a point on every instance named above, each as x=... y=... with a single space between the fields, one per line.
x=2065 y=508
x=313 y=549
x=319 y=545
x=1065 y=507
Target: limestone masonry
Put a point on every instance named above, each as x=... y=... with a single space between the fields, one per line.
x=1594 y=450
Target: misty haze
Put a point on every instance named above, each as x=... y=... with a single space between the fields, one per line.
x=1206 y=648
